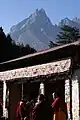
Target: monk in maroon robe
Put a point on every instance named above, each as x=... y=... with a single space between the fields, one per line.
x=42 y=111
x=59 y=108
x=18 y=115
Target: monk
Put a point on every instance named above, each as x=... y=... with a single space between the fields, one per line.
x=42 y=110
x=18 y=115
x=59 y=108
x=21 y=111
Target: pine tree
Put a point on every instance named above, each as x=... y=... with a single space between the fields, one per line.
x=68 y=34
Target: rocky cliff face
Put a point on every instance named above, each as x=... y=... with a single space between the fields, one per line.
x=37 y=30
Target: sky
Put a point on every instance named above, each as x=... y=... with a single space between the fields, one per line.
x=14 y=11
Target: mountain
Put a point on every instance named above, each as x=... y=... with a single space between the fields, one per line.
x=76 y=20
x=72 y=23
x=37 y=30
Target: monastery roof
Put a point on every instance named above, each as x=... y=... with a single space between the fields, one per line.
x=43 y=52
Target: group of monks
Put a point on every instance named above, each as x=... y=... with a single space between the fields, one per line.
x=42 y=109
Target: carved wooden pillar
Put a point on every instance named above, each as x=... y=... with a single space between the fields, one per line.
x=5 y=114
x=67 y=96
x=22 y=92
x=75 y=98
x=42 y=88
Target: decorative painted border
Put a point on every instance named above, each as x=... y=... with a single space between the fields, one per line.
x=38 y=70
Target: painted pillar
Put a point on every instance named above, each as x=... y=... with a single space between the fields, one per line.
x=75 y=98
x=67 y=96
x=5 y=114
x=42 y=88
x=22 y=95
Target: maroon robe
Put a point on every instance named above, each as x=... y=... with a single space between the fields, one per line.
x=42 y=111
x=59 y=103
